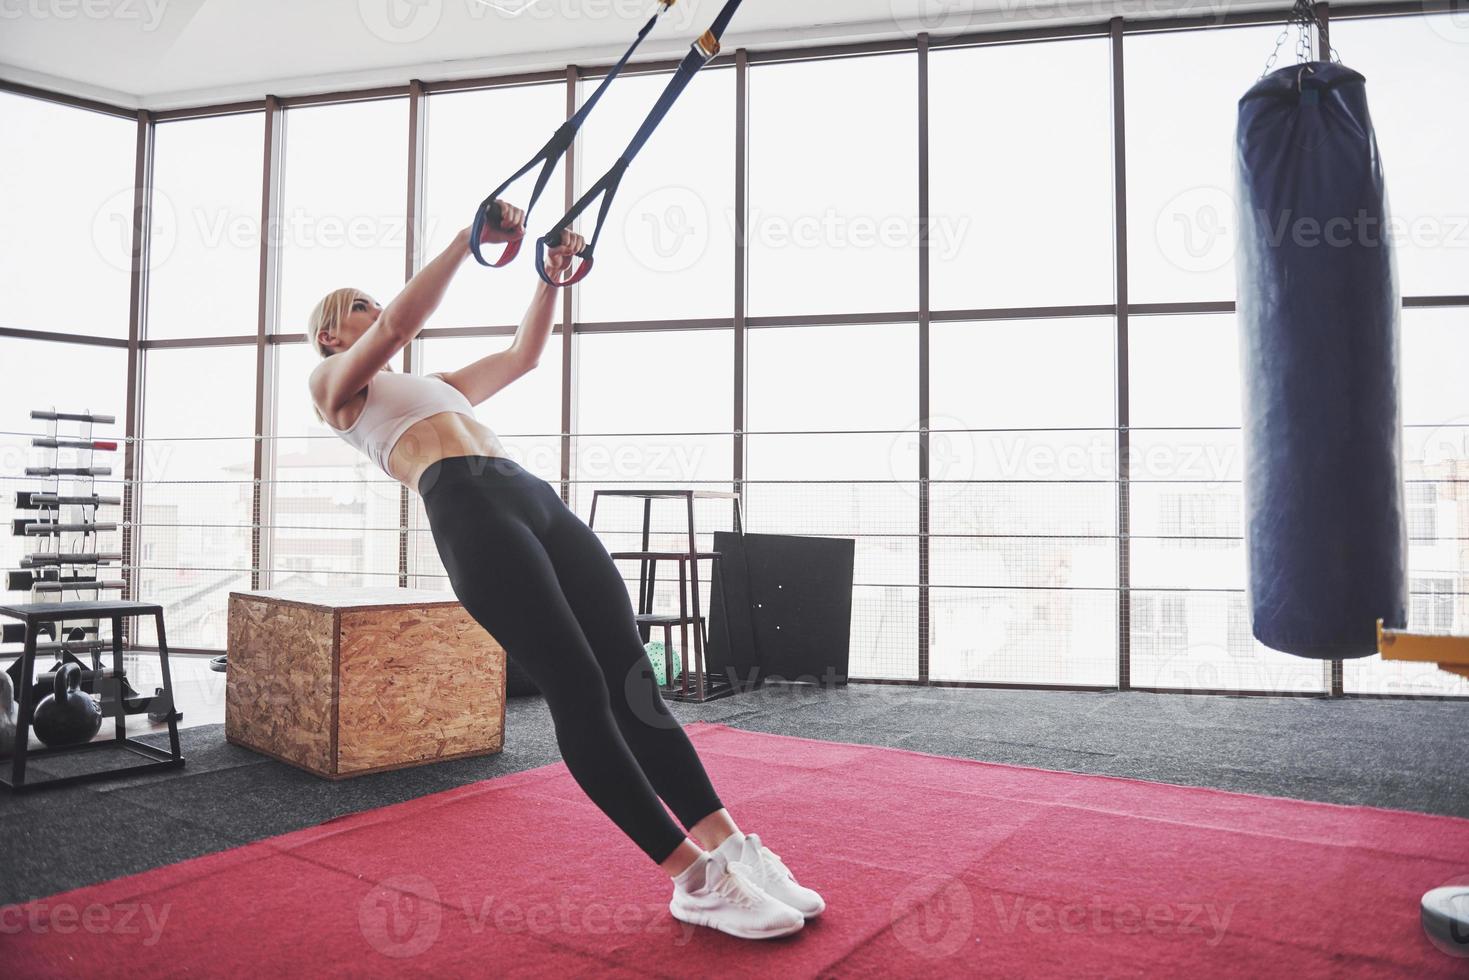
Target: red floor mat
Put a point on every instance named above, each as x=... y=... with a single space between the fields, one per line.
x=930 y=866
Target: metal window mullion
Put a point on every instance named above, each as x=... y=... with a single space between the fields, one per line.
x=1122 y=367
x=568 y=309
x=417 y=134
x=137 y=315
x=263 y=467
x=1332 y=673
x=741 y=270
x=925 y=268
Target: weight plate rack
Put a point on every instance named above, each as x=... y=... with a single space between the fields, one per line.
x=72 y=579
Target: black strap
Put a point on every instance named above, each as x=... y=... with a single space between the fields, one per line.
x=550 y=154
x=700 y=54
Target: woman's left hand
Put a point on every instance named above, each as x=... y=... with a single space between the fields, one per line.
x=558 y=258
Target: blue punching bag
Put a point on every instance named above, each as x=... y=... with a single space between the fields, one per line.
x=1319 y=353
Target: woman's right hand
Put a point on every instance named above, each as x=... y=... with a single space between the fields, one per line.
x=510 y=228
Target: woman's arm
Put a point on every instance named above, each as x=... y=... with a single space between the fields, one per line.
x=482 y=378
x=344 y=375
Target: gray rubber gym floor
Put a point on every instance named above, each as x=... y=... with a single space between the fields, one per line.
x=1397 y=754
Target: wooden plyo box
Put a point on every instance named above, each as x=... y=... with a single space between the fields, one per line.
x=343 y=682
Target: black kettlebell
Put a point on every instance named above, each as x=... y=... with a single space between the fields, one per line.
x=68 y=716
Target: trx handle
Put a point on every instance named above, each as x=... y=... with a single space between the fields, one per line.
x=489 y=210
x=703 y=51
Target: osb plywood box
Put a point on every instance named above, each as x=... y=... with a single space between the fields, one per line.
x=343 y=682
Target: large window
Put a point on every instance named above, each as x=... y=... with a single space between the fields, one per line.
x=1026 y=571
x=1404 y=59
x=667 y=249
x=195 y=504
x=335 y=516
x=1023 y=560
x=476 y=140
x=833 y=222
x=1021 y=182
x=66 y=218
x=1436 y=486
x=1188 y=556
x=1183 y=91
x=653 y=411
x=830 y=412
x=204 y=256
x=342 y=220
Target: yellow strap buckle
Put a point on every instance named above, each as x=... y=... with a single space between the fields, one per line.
x=708 y=45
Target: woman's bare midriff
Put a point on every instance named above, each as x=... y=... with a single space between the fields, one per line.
x=439 y=437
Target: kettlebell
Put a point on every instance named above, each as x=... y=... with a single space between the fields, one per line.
x=68 y=716
x=7 y=716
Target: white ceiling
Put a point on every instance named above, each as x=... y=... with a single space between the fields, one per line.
x=159 y=54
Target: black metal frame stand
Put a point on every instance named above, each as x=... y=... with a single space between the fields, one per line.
x=706 y=686
x=118 y=706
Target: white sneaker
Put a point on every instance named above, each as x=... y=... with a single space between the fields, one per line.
x=730 y=901
x=775 y=878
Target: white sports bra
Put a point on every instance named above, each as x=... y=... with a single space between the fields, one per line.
x=394 y=402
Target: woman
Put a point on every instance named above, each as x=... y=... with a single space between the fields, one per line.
x=540 y=581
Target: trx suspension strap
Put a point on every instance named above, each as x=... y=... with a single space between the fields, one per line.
x=703 y=51
x=549 y=155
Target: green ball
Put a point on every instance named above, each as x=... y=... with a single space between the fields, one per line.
x=654 y=650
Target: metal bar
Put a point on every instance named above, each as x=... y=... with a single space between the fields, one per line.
x=482 y=82
x=417 y=135
x=210 y=112
x=925 y=269
x=638 y=326
x=343 y=97
x=1095 y=689
x=1334 y=674
x=76 y=102
x=741 y=265
x=801 y=320
x=64 y=338
x=270 y=181
x=832 y=319
x=1277 y=14
x=175 y=652
x=1022 y=313
x=821 y=52
x=242 y=340
x=662 y=66
x=1058 y=33
x=568 y=309
x=1179 y=309
x=1359 y=11
x=429 y=333
x=137 y=315
x=173 y=716
x=1124 y=415
x=26 y=708
x=1420 y=302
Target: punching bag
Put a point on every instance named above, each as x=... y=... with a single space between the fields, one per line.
x=1318 y=314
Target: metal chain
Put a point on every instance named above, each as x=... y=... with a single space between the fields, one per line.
x=1303 y=19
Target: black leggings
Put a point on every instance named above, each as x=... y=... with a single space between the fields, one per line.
x=542 y=583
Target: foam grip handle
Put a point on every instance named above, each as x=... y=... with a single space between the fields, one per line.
x=577 y=276
x=490 y=213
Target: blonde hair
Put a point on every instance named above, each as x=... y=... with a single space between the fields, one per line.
x=330 y=311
